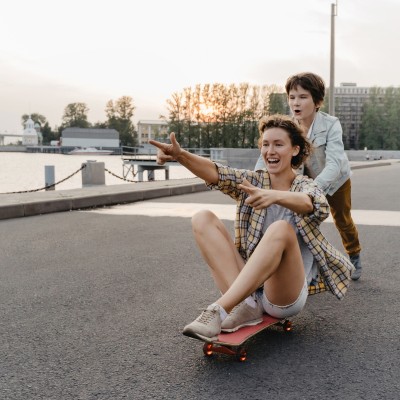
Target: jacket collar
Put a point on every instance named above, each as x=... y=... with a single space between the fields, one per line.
x=319 y=125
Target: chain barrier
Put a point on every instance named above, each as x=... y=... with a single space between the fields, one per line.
x=120 y=177
x=74 y=173
x=49 y=186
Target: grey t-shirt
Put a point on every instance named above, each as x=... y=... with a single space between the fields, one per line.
x=277 y=213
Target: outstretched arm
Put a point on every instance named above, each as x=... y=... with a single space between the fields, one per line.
x=200 y=166
x=259 y=198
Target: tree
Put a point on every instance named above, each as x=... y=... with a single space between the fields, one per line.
x=219 y=115
x=48 y=134
x=175 y=110
x=36 y=117
x=75 y=115
x=120 y=114
x=392 y=123
x=373 y=121
x=278 y=104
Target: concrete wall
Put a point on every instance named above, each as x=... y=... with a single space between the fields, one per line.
x=12 y=149
x=247 y=158
x=236 y=158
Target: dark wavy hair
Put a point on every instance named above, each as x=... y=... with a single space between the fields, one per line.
x=294 y=132
x=310 y=82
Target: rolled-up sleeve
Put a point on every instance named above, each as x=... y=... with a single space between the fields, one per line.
x=320 y=204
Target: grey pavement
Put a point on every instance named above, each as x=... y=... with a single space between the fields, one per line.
x=92 y=307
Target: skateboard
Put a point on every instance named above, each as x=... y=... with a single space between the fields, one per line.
x=233 y=343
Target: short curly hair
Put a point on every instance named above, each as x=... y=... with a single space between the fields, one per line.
x=294 y=132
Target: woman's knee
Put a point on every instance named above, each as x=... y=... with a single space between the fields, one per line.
x=203 y=219
x=281 y=230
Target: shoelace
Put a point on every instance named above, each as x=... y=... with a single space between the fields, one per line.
x=206 y=316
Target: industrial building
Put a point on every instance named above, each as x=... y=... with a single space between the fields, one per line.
x=90 y=137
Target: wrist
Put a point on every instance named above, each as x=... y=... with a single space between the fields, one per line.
x=182 y=155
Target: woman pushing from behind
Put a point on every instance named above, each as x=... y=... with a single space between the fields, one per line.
x=278 y=245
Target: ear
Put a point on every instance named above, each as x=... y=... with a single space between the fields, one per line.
x=318 y=105
x=296 y=151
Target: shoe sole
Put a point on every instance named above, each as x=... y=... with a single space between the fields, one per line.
x=195 y=335
x=356 y=275
x=236 y=328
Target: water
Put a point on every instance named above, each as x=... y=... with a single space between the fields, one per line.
x=25 y=171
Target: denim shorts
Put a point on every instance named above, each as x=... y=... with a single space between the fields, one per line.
x=289 y=310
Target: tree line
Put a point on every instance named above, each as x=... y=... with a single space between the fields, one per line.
x=227 y=115
x=380 y=129
x=220 y=115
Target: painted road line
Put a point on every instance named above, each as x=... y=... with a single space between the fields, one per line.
x=227 y=212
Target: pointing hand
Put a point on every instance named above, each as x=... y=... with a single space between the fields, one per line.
x=167 y=152
x=257 y=198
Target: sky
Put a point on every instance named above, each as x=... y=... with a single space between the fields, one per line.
x=53 y=53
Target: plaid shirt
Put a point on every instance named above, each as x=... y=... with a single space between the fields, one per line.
x=335 y=268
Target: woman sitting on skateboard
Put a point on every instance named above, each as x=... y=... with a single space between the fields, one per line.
x=278 y=243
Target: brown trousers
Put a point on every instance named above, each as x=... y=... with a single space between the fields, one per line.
x=340 y=203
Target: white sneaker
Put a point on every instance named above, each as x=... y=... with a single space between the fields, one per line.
x=243 y=315
x=207 y=326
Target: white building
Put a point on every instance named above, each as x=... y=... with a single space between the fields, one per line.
x=90 y=137
x=30 y=135
x=151 y=129
x=40 y=136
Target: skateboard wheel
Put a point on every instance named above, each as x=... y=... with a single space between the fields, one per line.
x=208 y=349
x=287 y=326
x=241 y=355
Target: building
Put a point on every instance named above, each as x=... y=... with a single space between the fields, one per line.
x=39 y=133
x=90 y=137
x=30 y=135
x=151 y=129
x=349 y=107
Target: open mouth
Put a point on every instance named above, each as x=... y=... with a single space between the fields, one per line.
x=297 y=112
x=272 y=161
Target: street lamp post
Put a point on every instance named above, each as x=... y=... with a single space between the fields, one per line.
x=332 y=68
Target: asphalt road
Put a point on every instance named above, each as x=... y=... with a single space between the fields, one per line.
x=92 y=307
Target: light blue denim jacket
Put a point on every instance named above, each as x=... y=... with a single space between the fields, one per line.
x=328 y=160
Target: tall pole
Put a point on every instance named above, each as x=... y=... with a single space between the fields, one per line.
x=332 y=69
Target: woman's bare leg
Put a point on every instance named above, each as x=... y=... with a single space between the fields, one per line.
x=276 y=263
x=217 y=248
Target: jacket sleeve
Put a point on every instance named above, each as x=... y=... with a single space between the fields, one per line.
x=335 y=157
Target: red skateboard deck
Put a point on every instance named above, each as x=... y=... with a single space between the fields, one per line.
x=231 y=343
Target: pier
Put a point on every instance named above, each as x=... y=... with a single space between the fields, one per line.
x=145 y=159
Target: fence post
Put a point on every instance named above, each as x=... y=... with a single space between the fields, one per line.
x=49 y=177
x=93 y=173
